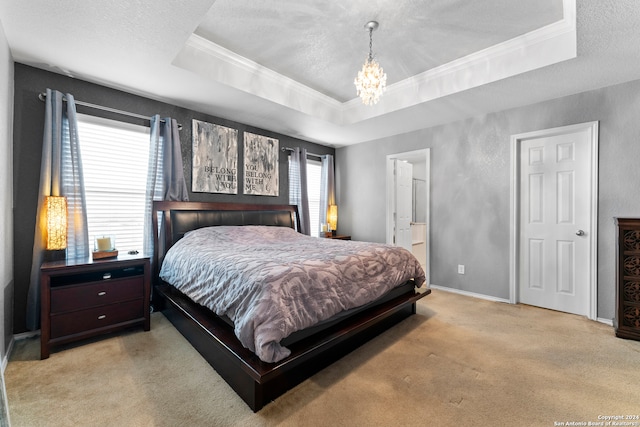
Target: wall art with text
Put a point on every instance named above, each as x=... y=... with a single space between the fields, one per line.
x=215 y=158
x=260 y=165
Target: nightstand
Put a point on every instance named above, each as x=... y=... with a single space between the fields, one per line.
x=339 y=237
x=83 y=298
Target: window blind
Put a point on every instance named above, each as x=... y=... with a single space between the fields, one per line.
x=114 y=159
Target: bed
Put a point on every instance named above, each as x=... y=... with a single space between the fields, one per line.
x=308 y=350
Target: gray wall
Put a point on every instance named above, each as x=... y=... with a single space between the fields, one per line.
x=470 y=178
x=6 y=189
x=27 y=140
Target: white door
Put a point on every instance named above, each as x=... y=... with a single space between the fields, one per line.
x=420 y=160
x=555 y=222
x=403 y=203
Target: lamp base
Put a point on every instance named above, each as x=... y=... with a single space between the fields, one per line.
x=54 y=255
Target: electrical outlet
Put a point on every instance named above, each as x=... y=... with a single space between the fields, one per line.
x=460 y=269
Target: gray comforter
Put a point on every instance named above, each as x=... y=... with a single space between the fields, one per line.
x=273 y=281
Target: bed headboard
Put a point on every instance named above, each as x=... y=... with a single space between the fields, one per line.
x=181 y=217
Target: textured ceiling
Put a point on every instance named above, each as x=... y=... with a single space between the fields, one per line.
x=324 y=44
x=288 y=66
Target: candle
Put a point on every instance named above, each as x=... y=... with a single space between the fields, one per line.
x=104 y=243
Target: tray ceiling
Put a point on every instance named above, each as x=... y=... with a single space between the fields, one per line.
x=289 y=66
x=323 y=44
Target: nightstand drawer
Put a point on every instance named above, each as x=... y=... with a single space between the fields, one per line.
x=95 y=318
x=77 y=297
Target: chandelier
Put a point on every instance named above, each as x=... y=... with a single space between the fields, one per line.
x=371 y=80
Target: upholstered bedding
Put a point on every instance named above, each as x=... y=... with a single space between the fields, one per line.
x=273 y=281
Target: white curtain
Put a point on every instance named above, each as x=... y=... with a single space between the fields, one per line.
x=165 y=174
x=327 y=186
x=298 y=186
x=60 y=175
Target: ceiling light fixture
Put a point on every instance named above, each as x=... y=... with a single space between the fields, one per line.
x=371 y=81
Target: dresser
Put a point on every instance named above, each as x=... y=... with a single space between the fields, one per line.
x=627 y=321
x=84 y=298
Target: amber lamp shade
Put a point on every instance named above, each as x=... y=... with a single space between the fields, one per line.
x=332 y=217
x=56 y=211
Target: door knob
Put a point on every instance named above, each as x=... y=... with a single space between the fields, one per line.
x=580 y=233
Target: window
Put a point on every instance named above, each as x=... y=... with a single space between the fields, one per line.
x=114 y=161
x=314 y=169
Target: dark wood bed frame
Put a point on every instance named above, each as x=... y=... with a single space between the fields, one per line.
x=255 y=381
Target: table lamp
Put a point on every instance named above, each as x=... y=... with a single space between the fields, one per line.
x=332 y=218
x=56 y=211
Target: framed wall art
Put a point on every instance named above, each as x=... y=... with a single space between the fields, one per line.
x=215 y=158
x=261 y=165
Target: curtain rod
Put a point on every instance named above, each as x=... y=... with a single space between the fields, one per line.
x=43 y=96
x=283 y=149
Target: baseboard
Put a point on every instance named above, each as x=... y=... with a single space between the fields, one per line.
x=16 y=337
x=25 y=335
x=4 y=404
x=490 y=298
x=5 y=359
x=469 y=294
x=605 y=321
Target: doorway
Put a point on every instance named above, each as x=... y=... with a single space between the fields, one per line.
x=553 y=253
x=420 y=161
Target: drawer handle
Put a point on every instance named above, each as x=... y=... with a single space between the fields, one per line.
x=102 y=316
x=106 y=276
x=101 y=293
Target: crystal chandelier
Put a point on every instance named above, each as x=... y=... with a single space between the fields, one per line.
x=371 y=81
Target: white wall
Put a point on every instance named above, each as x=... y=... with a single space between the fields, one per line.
x=470 y=179
x=6 y=195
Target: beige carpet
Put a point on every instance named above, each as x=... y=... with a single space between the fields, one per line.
x=460 y=362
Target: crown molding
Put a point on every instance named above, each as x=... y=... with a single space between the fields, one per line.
x=218 y=63
x=536 y=49
x=539 y=48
